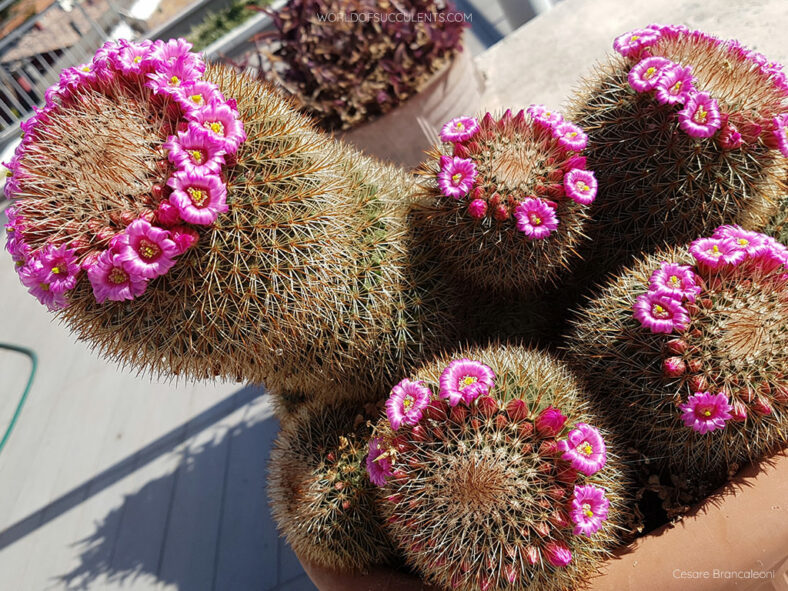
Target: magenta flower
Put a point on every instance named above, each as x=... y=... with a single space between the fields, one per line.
x=544 y=116
x=585 y=449
x=457 y=176
x=174 y=50
x=199 y=197
x=146 y=250
x=184 y=238
x=464 y=379
x=535 y=218
x=700 y=116
x=459 y=129
x=111 y=281
x=750 y=242
x=781 y=133
x=630 y=44
x=378 y=468
x=717 y=253
x=550 y=422
x=168 y=77
x=53 y=301
x=580 y=186
x=705 y=412
x=558 y=554
x=133 y=58
x=675 y=281
x=646 y=73
x=661 y=313
x=197 y=95
x=675 y=85
x=477 y=208
x=221 y=122
x=193 y=148
x=59 y=267
x=570 y=136
x=588 y=510
x=407 y=403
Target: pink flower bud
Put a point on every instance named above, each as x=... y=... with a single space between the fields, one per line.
x=550 y=422
x=167 y=214
x=676 y=346
x=674 y=367
x=184 y=238
x=558 y=554
x=477 y=208
x=517 y=409
x=762 y=406
x=738 y=411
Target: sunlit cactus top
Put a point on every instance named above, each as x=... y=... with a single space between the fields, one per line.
x=492 y=476
x=158 y=137
x=720 y=89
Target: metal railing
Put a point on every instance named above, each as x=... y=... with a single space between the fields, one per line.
x=32 y=56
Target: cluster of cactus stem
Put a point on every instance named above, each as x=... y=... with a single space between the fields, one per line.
x=322 y=500
x=731 y=343
x=479 y=497
x=311 y=278
x=659 y=184
x=512 y=162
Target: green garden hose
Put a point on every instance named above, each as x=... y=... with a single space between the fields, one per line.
x=33 y=368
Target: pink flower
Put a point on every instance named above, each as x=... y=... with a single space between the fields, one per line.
x=174 y=50
x=168 y=77
x=717 y=253
x=53 y=301
x=705 y=412
x=464 y=379
x=378 y=468
x=200 y=198
x=585 y=449
x=675 y=85
x=111 y=281
x=660 y=313
x=184 y=238
x=220 y=122
x=544 y=117
x=630 y=44
x=459 y=129
x=457 y=176
x=407 y=403
x=750 y=242
x=700 y=116
x=558 y=554
x=570 y=136
x=196 y=149
x=675 y=281
x=646 y=73
x=477 y=208
x=550 y=422
x=59 y=268
x=781 y=133
x=588 y=510
x=146 y=250
x=133 y=58
x=197 y=95
x=535 y=218
x=580 y=186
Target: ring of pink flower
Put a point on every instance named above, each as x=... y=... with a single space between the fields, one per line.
x=534 y=215
x=673 y=84
x=672 y=291
x=210 y=132
x=465 y=386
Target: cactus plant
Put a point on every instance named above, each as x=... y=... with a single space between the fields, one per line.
x=504 y=200
x=685 y=134
x=493 y=476
x=687 y=351
x=298 y=271
x=321 y=496
x=346 y=62
x=778 y=225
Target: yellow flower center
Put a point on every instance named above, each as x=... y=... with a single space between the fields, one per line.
x=677 y=87
x=467 y=381
x=138 y=59
x=86 y=68
x=198 y=196
x=117 y=276
x=407 y=403
x=149 y=250
x=8 y=173
x=535 y=220
x=455 y=178
x=715 y=250
x=744 y=241
x=215 y=126
x=196 y=156
x=585 y=448
x=707 y=413
x=44 y=286
x=175 y=81
x=674 y=280
x=582 y=186
x=572 y=134
x=587 y=510
x=10 y=229
x=650 y=73
x=196 y=98
x=459 y=125
x=57 y=270
x=634 y=37
x=700 y=115
x=19 y=263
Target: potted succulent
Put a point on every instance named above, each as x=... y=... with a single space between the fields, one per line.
x=384 y=75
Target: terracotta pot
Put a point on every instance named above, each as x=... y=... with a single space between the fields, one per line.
x=736 y=539
x=402 y=135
